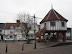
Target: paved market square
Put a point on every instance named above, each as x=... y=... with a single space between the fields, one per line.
x=15 y=47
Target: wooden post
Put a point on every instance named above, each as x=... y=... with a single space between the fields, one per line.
x=49 y=35
x=57 y=35
x=53 y=34
x=64 y=37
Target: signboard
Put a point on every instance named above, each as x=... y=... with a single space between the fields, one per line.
x=11 y=34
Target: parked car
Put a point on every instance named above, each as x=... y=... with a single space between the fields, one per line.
x=23 y=39
x=8 y=38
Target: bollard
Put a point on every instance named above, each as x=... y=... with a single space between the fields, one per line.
x=22 y=46
x=35 y=45
x=6 y=48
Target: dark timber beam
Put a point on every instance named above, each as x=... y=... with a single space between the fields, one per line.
x=57 y=35
x=64 y=38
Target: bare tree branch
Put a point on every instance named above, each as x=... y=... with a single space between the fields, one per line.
x=26 y=23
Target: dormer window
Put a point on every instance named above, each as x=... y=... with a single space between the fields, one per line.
x=52 y=23
x=63 y=24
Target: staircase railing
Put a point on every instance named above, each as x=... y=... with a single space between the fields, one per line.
x=41 y=31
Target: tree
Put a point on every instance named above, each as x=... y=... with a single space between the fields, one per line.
x=26 y=23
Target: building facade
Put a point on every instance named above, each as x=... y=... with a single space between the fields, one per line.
x=12 y=31
x=2 y=31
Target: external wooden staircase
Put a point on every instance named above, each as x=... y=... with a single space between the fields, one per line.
x=41 y=33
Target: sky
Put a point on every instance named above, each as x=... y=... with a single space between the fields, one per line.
x=10 y=8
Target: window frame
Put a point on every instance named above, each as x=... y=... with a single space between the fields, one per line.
x=63 y=24
x=52 y=23
x=11 y=32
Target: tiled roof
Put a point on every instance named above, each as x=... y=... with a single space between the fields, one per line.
x=8 y=25
x=53 y=15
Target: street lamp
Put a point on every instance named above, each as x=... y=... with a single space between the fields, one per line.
x=34 y=31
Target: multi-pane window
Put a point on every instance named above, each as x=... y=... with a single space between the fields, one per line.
x=52 y=23
x=63 y=24
x=11 y=32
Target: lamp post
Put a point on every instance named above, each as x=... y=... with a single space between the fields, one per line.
x=34 y=31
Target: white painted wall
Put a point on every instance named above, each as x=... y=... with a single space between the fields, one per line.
x=56 y=27
x=7 y=31
x=2 y=31
x=42 y=25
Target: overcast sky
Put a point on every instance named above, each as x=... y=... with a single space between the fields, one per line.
x=9 y=9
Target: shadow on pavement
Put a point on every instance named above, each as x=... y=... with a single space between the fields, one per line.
x=62 y=44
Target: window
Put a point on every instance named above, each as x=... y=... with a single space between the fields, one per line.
x=63 y=24
x=12 y=27
x=45 y=24
x=52 y=23
x=11 y=32
x=22 y=35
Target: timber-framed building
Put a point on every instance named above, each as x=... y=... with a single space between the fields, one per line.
x=51 y=25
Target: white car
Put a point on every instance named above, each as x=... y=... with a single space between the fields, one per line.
x=8 y=38
x=22 y=38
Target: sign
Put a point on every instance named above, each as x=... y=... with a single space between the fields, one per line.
x=11 y=34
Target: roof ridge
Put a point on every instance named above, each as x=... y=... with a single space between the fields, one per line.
x=49 y=14
x=56 y=14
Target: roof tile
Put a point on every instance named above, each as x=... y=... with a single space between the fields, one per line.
x=53 y=15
